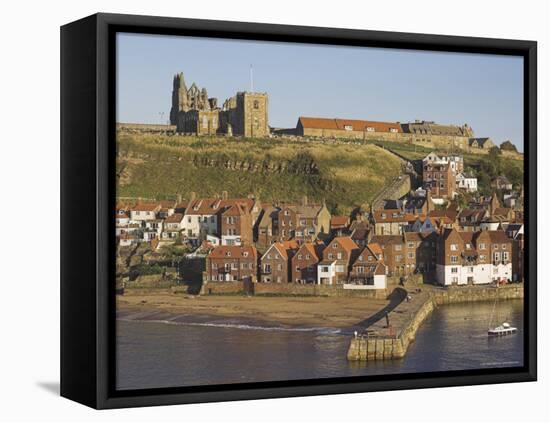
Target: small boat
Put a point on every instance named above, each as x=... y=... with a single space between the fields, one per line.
x=504 y=329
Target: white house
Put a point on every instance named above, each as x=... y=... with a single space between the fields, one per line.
x=378 y=279
x=144 y=211
x=201 y=218
x=152 y=229
x=466 y=182
x=473 y=257
x=173 y=225
x=326 y=272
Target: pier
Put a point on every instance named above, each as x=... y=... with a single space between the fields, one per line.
x=391 y=334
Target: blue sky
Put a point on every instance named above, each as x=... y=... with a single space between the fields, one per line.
x=485 y=91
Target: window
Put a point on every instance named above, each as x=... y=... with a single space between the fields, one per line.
x=335 y=245
x=495 y=246
x=481 y=257
x=214 y=265
x=245 y=254
x=393 y=129
x=330 y=256
x=324 y=269
x=256 y=104
x=398 y=248
x=228 y=254
x=360 y=269
x=468 y=245
x=454 y=259
x=411 y=255
x=348 y=127
x=339 y=256
x=299 y=257
x=454 y=279
x=454 y=247
x=279 y=266
x=307 y=256
x=370 y=129
x=482 y=246
x=234 y=265
x=503 y=246
x=340 y=268
x=454 y=269
x=505 y=256
x=496 y=256
x=410 y=245
x=398 y=258
x=470 y=269
x=297 y=268
x=370 y=258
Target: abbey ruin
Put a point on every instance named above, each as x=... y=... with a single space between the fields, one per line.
x=193 y=112
x=245 y=114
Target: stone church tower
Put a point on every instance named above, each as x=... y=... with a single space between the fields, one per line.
x=180 y=102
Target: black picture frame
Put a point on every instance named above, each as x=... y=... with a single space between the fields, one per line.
x=87 y=201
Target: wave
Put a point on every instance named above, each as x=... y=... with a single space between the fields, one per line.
x=241 y=326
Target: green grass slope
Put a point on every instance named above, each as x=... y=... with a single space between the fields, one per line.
x=346 y=175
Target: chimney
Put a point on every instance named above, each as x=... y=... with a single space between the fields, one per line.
x=304 y=200
x=224 y=195
x=178 y=198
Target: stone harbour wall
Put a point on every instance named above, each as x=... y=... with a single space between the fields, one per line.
x=415 y=311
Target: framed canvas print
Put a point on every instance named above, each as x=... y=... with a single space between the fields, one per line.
x=255 y=211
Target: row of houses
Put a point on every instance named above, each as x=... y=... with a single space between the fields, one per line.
x=449 y=256
x=246 y=221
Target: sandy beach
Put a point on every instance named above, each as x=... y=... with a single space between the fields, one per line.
x=292 y=311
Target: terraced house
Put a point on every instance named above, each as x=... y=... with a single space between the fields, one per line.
x=393 y=253
x=336 y=263
x=232 y=263
x=473 y=257
x=368 y=269
x=304 y=262
x=275 y=263
x=391 y=221
x=236 y=225
x=303 y=222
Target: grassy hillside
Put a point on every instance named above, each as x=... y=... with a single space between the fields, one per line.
x=345 y=175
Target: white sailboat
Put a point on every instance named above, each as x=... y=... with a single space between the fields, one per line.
x=504 y=328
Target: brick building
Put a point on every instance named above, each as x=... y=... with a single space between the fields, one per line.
x=275 y=263
x=440 y=180
x=232 y=263
x=304 y=262
x=336 y=262
x=236 y=225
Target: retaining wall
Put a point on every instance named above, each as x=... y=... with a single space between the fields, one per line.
x=290 y=289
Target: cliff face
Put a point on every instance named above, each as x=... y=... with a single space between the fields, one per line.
x=345 y=176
